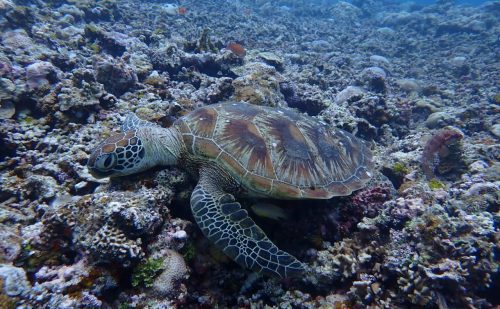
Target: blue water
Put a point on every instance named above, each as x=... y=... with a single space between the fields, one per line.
x=466 y=2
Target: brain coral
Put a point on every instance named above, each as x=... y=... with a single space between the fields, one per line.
x=175 y=270
x=110 y=244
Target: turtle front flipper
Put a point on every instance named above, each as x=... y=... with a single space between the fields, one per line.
x=229 y=227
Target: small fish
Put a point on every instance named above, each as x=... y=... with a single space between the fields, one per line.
x=268 y=210
x=182 y=10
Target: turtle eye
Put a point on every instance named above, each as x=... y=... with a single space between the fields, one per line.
x=106 y=161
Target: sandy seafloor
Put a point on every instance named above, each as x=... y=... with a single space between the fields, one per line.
x=423 y=234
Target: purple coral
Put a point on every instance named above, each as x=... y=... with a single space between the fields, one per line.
x=364 y=203
x=438 y=148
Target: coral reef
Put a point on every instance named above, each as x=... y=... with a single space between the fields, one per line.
x=174 y=270
x=443 y=145
x=145 y=272
x=394 y=73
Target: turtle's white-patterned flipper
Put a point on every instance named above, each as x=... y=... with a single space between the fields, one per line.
x=229 y=227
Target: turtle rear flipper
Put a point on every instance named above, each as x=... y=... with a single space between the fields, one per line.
x=229 y=227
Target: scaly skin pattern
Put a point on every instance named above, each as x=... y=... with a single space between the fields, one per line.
x=238 y=148
x=117 y=154
x=228 y=226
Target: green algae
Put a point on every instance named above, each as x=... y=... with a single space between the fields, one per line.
x=146 y=271
x=496 y=98
x=189 y=252
x=95 y=48
x=400 y=168
x=435 y=184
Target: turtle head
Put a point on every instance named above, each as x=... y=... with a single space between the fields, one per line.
x=119 y=155
x=140 y=146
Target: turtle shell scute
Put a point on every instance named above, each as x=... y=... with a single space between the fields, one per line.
x=277 y=152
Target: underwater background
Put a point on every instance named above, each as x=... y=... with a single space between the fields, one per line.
x=418 y=81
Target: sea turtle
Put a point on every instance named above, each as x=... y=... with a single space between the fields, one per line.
x=240 y=149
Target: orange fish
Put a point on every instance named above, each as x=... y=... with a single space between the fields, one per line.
x=237 y=49
x=182 y=10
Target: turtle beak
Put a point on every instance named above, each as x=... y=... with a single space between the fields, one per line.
x=96 y=173
x=99 y=174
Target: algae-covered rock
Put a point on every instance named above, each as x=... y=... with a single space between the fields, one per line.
x=258 y=84
x=439 y=120
x=116 y=76
x=15 y=282
x=272 y=59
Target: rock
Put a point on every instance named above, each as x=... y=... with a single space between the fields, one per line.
x=310 y=99
x=180 y=235
x=85 y=97
x=5 y=5
x=71 y=10
x=478 y=167
x=432 y=106
x=7 y=93
x=141 y=64
x=19 y=43
x=81 y=186
x=220 y=90
x=10 y=246
x=408 y=85
x=495 y=130
x=7 y=89
x=259 y=84
x=44 y=187
x=458 y=61
x=439 y=120
x=137 y=216
x=116 y=76
x=15 y=282
x=5 y=67
x=460 y=66
x=114 y=43
x=379 y=61
x=386 y=31
x=318 y=45
x=375 y=78
x=170 y=9
x=41 y=75
x=272 y=59
x=346 y=12
x=70 y=34
x=349 y=94
x=7 y=110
